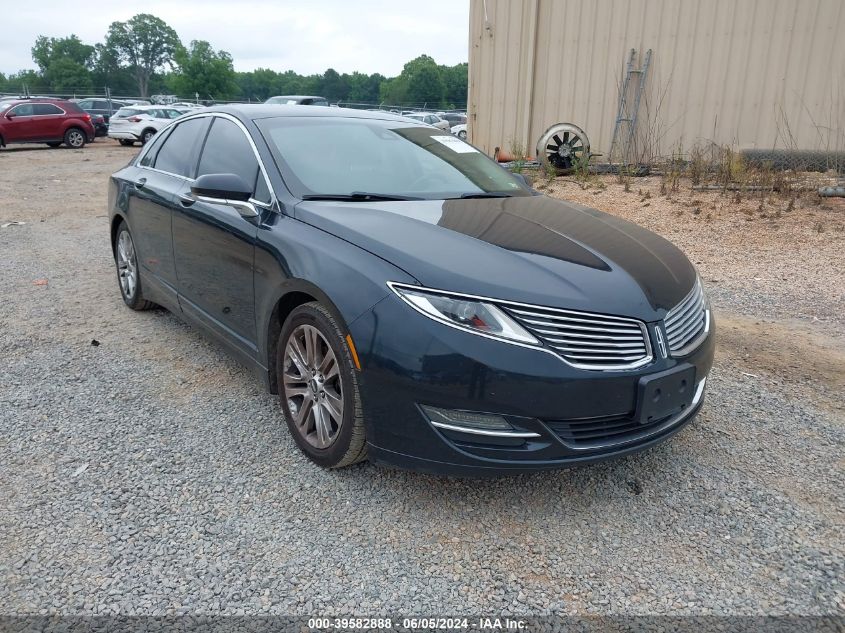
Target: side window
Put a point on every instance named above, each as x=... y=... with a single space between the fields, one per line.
x=262 y=191
x=25 y=109
x=46 y=108
x=85 y=105
x=178 y=153
x=101 y=105
x=227 y=151
x=149 y=157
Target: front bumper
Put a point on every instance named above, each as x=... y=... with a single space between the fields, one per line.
x=410 y=360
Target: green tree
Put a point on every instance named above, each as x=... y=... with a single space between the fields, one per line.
x=67 y=76
x=48 y=50
x=107 y=71
x=456 y=84
x=203 y=71
x=424 y=81
x=144 y=44
x=258 y=84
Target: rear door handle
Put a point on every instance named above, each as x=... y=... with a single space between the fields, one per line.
x=186 y=200
x=140 y=183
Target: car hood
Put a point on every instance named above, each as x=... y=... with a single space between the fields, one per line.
x=531 y=249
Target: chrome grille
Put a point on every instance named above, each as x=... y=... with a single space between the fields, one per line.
x=586 y=340
x=687 y=322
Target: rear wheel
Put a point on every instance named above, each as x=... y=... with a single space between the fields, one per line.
x=318 y=387
x=127 y=142
x=128 y=277
x=75 y=138
x=462 y=135
x=55 y=144
x=147 y=136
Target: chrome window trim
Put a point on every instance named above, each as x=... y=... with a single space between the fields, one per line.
x=62 y=113
x=393 y=285
x=229 y=117
x=665 y=426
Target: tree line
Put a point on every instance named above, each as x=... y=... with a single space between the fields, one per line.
x=144 y=56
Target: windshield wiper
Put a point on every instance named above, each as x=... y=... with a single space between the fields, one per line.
x=358 y=196
x=467 y=196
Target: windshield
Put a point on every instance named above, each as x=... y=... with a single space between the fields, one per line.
x=324 y=156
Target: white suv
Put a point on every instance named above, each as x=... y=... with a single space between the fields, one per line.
x=140 y=122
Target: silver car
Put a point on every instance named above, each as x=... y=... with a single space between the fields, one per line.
x=430 y=119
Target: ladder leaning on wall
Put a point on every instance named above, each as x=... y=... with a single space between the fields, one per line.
x=624 y=131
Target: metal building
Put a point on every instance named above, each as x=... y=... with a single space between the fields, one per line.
x=746 y=73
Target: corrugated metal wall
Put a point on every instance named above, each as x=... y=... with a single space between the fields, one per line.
x=749 y=73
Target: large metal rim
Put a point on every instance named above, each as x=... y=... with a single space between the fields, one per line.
x=127 y=268
x=75 y=138
x=147 y=136
x=313 y=389
x=564 y=146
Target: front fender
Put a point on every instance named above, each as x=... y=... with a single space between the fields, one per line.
x=292 y=257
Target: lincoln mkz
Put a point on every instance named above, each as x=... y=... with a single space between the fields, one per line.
x=411 y=302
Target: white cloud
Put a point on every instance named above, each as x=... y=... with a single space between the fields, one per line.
x=365 y=35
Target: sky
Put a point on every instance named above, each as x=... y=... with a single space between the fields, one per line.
x=307 y=36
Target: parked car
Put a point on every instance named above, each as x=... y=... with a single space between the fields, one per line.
x=50 y=121
x=460 y=131
x=140 y=123
x=411 y=301
x=104 y=107
x=101 y=128
x=430 y=119
x=454 y=118
x=298 y=100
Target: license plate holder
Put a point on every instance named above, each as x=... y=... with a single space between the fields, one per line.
x=664 y=394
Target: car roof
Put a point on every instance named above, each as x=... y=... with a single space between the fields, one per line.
x=146 y=106
x=39 y=100
x=298 y=97
x=255 y=111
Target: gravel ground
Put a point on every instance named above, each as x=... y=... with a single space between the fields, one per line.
x=150 y=474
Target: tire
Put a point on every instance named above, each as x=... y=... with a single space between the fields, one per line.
x=75 y=138
x=462 y=135
x=128 y=275
x=147 y=135
x=55 y=144
x=343 y=440
x=126 y=142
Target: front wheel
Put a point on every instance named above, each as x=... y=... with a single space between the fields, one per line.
x=128 y=276
x=462 y=135
x=318 y=388
x=74 y=138
x=147 y=136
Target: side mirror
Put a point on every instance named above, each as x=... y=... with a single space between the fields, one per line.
x=528 y=181
x=10 y=115
x=227 y=189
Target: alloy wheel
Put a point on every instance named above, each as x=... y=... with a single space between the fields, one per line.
x=127 y=269
x=75 y=138
x=313 y=391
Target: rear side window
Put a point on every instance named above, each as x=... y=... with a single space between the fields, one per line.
x=178 y=153
x=47 y=108
x=227 y=151
x=70 y=106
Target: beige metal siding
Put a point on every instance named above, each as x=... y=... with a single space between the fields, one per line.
x=749 y=73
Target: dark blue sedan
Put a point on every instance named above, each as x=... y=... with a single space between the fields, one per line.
x=411 y=302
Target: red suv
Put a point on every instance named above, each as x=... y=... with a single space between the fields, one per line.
x=51 y=121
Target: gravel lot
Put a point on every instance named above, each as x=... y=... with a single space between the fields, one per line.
x=150 y=474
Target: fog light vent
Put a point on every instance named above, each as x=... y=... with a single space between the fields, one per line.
x=475 y=423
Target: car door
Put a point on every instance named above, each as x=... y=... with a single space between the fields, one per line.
x=19 y=125
x=160 y=175
x=48 y=121
x=214 y=246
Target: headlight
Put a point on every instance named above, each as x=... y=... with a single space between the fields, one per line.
x=465 y=313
